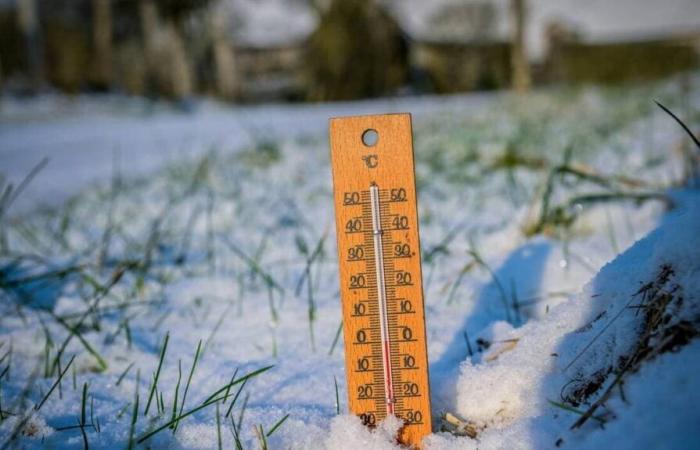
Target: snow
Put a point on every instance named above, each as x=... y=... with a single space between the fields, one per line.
x=87 y=138
x=348 y=433
x=226 y=186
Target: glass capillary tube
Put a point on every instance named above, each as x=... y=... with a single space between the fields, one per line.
x=381 y=296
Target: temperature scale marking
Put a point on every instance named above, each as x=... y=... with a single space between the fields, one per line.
x=380 y=272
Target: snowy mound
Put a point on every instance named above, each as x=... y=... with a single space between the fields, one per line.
x=615 y=364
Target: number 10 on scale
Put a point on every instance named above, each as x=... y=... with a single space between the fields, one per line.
x=380 y=272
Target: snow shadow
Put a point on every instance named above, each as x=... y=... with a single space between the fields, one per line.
x=519 y=277
x=35 y=290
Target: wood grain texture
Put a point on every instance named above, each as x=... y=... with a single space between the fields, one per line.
x=388 y=164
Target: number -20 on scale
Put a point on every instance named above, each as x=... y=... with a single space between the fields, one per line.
x=381 y=289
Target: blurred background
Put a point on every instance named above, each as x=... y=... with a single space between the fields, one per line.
x=320 y=50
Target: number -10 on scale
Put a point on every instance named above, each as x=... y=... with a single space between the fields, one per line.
x=380 y=271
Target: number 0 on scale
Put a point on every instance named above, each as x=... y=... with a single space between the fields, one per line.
x=386 y=360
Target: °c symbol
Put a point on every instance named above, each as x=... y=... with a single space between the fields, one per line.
x=371 y=161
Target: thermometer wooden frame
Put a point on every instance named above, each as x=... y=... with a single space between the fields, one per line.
x=380 y=271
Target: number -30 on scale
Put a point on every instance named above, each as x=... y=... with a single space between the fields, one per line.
x=386 y=359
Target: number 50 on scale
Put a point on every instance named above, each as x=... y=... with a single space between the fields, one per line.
x=381 y=289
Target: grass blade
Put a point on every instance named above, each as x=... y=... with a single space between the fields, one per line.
x=134 y=418
x=157 y=374
x=337 y=397
x=218 y=427
x=214 y=398
x=277 y=425
x=240 y=380
x=235 y=397
x=335 y=339
x=58 y=380
x=681 y=123
x=189 y=379
x=121 y=377
x=236 y=436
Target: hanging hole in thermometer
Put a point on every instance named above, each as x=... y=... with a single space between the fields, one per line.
x=370 y=137
x=380 y=273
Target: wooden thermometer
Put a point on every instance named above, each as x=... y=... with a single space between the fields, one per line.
x=386 y=359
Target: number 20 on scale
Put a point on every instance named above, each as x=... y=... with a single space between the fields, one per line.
x=381 y=289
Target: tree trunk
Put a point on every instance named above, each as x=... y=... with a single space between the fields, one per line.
x=167 y=67
x=181 y=75
x=102 y=42
x=148 y=15
x=28 y=23
x=224 y=58
x=520 y=66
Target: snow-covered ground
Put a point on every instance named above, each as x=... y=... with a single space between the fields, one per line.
x=85 y=138
x=205 y=233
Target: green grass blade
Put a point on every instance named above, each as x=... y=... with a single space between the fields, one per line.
x=277 y=425
x=58 y=380
x=157 y=374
